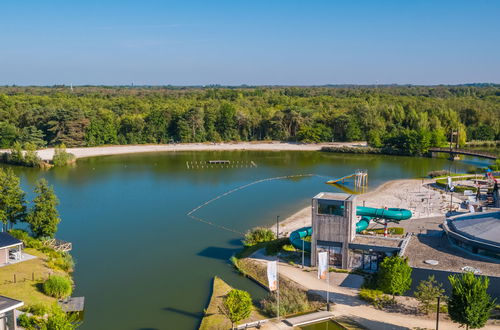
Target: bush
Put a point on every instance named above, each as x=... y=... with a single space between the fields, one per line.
x=434 y=174
x=443 y=183
x=394 y=275
x=390 y=230
x=292 y=301
x=62 y=157
x=273 y=247
x=427 y=293
x=375 y=297
x=61 y=260
x=28 y=322
x=28 y=241
x=258 y=235
x=37 y=309
x=58 y=286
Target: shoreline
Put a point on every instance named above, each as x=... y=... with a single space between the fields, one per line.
x=398 y=193
x=85 y=152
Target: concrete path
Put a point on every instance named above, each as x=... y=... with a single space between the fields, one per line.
x=343 y=292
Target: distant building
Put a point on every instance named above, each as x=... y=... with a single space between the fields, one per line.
x=10 y=249
x=7 y=313
x=334 y=230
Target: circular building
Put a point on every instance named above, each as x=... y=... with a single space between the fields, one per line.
x=478 y=233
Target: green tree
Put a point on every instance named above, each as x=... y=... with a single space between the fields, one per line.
x=33 y=135
x=12 y=202
x=16 y=154
x=8 y=134
x=394 y=276
x=237 y=306
x=427 y=293
x=30 y=156
x=469 y=303
x=61 y=156
x=43 y=218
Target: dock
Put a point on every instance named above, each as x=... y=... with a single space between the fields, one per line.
x=72 y=304
x=218 y=162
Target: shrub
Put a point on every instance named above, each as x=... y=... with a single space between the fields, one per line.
x=273 y=247
x=61 y=260
x=292 y=301
x=434 y=174
x=28 y=241
x=394 y=276
x=390 y=230
x=258 y=235
x=58 y=286
x=427 y=293
x=28 y=322
x=61 y=156
x=37 y=309
x=375 y=297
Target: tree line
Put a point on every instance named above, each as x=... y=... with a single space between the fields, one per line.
x=408 y=119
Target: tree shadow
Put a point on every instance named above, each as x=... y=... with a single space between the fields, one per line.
x=339 y=298
x=183 y=312
x=352 y=281
x=235 y=242
x=219 y=253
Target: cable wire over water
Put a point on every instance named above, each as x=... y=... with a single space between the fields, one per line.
x=190 y=213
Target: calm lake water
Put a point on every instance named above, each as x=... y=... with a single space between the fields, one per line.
x=142 y=263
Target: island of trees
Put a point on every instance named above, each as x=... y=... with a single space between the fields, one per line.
x=407 y=119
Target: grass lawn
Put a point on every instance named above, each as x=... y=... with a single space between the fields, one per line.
x=213 y=319
x=25 y=289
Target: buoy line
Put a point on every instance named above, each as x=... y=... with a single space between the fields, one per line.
x=190 y=213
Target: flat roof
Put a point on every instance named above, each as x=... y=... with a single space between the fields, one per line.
x=7 y=304
x=437 y=247
x=329 y=195
x=483 y=227
x=377 y=241
x=7 y=240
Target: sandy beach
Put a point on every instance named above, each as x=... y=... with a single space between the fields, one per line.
x=412 y=194
x=47 y=154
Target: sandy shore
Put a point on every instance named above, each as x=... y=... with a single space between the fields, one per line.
x=47 y=154
x=411 y=194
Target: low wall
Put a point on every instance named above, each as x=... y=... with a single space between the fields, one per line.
x=420 y=274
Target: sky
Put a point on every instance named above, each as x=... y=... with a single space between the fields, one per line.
x=253 y=42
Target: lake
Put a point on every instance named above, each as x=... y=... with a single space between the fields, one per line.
x=142 y=263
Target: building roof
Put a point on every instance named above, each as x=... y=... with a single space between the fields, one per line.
x=329 y=195
x=8 y=304
x=482 y=227
x=7 y=240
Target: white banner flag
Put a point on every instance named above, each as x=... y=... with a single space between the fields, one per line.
x=322 y=265
x=272 y=275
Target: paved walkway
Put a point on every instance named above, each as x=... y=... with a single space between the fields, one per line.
x=343 y=292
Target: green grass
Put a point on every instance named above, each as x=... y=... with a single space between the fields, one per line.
x=25 y=289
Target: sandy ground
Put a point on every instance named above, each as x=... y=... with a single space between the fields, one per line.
x=412 y=194
x=47 y=154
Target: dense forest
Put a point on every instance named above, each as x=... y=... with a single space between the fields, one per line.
x=408 y=119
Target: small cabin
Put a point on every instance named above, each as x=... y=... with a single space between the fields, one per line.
x=10 y=249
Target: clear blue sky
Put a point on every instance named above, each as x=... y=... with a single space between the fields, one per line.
x=249 y=42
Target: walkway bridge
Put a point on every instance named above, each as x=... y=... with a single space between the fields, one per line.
x=466 y=152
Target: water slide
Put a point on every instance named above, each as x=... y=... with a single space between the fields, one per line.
x=366 y=214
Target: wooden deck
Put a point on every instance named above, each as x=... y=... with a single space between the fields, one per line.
x=58 y=245
x=72 y=304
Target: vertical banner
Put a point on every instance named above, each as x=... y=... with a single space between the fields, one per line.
x=322 y=265
x=272 y=275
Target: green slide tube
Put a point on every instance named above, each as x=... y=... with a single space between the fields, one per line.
x=366 y=213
